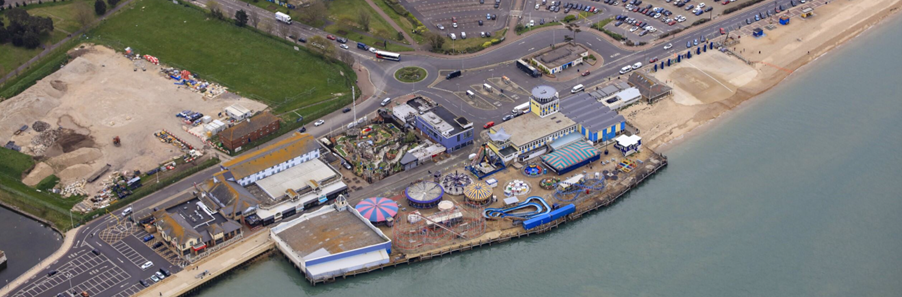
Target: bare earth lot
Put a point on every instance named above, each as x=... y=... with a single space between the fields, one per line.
x=96 y=97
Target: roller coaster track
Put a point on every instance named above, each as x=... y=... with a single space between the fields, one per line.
x=590 y=184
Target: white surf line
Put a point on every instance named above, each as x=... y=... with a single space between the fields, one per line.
x=718 y=82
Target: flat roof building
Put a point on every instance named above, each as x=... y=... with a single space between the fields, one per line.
x=560 y=58
x=451 y=131
x=597 y=122
x=528 y=134
x=249 y=130
x=331 y=241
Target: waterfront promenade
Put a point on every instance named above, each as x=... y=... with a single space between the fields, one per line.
x=208 y=269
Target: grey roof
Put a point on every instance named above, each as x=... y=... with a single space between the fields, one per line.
x=448 y=117
x=499 y=135
x=648 y=86
x=408 y=158
x=589 y=113
x=622 y=85
x=543 y=93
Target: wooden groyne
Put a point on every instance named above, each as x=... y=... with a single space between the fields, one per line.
x=583 y=208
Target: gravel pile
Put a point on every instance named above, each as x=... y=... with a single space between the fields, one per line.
x=40 y=126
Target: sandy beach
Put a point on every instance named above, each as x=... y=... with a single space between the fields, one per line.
x=708 y=86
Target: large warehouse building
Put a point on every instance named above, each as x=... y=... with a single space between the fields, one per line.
x=332 y=240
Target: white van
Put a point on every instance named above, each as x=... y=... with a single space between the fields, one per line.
x=463 y=35
x=577 y=88
x=487 y=88
x=625 y=69
x=637 y=65
x=453 y=37
x=470 y=93
x=385 y=101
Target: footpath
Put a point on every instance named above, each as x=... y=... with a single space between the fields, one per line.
x=392 y=23
x=208 y=269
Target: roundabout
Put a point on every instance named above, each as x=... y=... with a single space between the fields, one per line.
x=410 y=74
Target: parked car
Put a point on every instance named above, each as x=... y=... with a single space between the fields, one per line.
x=346 y=110
x=155 y=278
x=341 y=40
x=148 y=238
x=722 y=31
x=507 y=117
x=96 y=252
x=165 y=272
x=158 y=244
x=586 y=73
x=302 y=129
x=330 y=37
x=144 y=283
x=343 y=46
x=488 y=125
x=146 y=265
x=480 y=22
x=652 y=60
x=52 y=273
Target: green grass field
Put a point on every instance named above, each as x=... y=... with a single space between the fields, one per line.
x=13 y=192
x=251 y=64
x=403 y=22
x=62 y=14
x=344 y=13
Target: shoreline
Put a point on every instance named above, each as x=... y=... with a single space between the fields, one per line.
x=744 y=96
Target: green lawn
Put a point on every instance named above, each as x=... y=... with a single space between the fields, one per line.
x=251 y=64
x=14 y=163
x=344 y=13
x=403 y=22
x=63 y=20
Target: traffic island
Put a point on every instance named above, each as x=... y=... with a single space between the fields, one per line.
x=410 y=74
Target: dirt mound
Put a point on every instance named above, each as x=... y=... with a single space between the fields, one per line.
x=40 y=171
x=79 y=156
x=40 y=126
x=70 y=141
x=80 y=66
x=59 y=85
x=75 y=172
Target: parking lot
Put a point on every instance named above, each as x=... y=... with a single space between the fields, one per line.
x=83 y=271
x=467 y=13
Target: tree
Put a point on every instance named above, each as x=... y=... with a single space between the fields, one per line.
x=435 y=40
x=345 y=57
x=1 y=4
x=283 y=29
x=254 y=18
x=573 y=28
x=363 y=18
x=215 y=9
x=266 y=27
x=313 y=13
x=569 y=18
x=241 y=18
x=30 y=40
x=113 y=3
x=83 y=14
x=322 y=45
x=99 y=7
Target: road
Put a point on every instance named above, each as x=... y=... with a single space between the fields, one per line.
x=116 y=270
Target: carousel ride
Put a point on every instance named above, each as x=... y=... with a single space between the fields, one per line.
x=455 y=183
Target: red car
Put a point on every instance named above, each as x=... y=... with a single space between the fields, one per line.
x=722 y=31
x=652 y=60
x=488 y=125
x=586 y=73
x=671 y=23
x=330 y=37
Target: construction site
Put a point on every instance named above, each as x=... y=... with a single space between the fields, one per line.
x=107 y=118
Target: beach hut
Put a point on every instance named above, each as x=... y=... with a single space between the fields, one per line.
x=784 y=20
x=757 y=32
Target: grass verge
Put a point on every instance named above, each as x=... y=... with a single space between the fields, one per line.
x=263 y=67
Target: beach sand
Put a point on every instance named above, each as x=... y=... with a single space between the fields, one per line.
x=709 y=85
